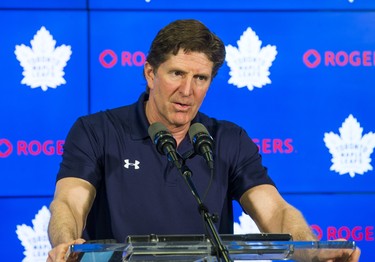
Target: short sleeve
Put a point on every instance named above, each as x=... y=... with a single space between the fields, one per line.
x=248 y=170
x=82 y=156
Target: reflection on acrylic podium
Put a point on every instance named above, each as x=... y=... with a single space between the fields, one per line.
x=199 y=248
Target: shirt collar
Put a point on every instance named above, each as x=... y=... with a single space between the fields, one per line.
x=139 y=123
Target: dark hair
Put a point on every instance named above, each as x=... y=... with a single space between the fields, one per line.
x=191 y=36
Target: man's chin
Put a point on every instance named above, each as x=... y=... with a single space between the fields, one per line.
x=181 y=122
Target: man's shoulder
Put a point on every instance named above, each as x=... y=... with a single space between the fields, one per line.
x=103 y=116
x=214 y=124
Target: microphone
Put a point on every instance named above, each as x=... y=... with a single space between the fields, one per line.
x=202 y=142
x=164 y=141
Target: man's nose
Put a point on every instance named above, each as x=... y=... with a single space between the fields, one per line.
x=187 y=85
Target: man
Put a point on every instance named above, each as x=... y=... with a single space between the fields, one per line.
x=113 y=182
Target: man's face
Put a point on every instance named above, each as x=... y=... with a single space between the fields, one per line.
x=177 y=88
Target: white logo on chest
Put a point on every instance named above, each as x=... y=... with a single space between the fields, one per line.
x=129 y=164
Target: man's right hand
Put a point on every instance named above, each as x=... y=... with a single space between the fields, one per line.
x=58 y=253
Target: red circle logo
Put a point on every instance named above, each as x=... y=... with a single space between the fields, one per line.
x=7 y=144
x=312 y=58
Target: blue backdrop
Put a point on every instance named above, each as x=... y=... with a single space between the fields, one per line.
x=304 y=94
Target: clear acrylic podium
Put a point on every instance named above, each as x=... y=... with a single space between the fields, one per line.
x=198 y=248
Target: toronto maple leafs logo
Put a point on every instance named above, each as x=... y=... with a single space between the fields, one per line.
x=350 y=150
x=35 y=239
x=246 y=225
x=43 y=64
x=249 y=63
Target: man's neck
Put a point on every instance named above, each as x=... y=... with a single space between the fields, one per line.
x=178 y=132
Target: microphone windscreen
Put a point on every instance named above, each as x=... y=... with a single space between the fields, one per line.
x=195 y=129
x=156 y=128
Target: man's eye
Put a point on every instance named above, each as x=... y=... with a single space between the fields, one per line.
x=202 y=78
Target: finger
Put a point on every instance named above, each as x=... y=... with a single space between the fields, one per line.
x=79 y=241
x=53 y=255
x=58 y=253
x=354 y=256
x=72 y=256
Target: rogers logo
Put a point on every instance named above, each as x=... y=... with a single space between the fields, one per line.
x=109 y=58
x=31 y=148
x=274 y=145
x=357 y=233
x=312 y=58
x=6 y=148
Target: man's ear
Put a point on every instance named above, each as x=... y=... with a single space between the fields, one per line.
x=148 y=71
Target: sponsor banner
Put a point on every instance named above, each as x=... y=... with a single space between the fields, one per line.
x=29 y=167
x=347 y=216
x=30 y=148
x=119 y=45
x=70 y=4
x=276 y=90
x=236 y=4
x=45 y=88
x=357 y=58
x=303 y=91
x=328 y=216
x=331 y=217
x=289 y=101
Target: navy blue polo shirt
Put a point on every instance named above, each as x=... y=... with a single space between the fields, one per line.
x=139 y=191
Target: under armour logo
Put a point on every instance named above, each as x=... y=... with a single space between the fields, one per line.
x=128 y=163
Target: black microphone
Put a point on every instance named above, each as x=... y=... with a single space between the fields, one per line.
x=165 y=142
x=202 y=142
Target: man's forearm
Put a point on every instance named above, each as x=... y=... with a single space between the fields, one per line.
x=293 y=222
x=63 y=227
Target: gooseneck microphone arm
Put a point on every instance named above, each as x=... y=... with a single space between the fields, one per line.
x=221 y=250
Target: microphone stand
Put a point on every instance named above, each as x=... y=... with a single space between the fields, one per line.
x=203 y=210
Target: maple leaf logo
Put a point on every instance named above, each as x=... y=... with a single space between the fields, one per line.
x=43 y=64
x=350 y=151
x=246 y=225
x=35 y=240
x=250 y=63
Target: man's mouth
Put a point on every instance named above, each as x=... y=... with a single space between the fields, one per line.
x=182 y=106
